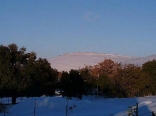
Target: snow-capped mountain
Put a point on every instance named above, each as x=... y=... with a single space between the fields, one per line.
x=141 y=60
x=79 y=60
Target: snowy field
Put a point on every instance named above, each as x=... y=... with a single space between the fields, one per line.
x=89 y=106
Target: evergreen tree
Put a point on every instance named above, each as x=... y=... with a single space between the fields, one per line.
x=21 y=74
x=149 y=72
x=128 y=80
x=72 y=84
x=66 y=84
x=11 y=61
x=89 y=80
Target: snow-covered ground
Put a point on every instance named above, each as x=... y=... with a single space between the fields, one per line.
x=89 y=106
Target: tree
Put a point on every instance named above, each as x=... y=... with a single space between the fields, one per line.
x=107 y=67
x=29 y=74
x=128 y=80
x=77 y=83
x=66 y=84
x=89 y=80
x=72 y=84
x=47 y=77
x=105 y=85
x=104 y=72
x=21 y=74
x=149 y=72
x=11 y=61
x=4 y=68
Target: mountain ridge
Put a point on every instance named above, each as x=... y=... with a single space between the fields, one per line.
x=77 y=60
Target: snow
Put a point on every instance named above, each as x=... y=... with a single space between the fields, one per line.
x=88 y=106
x=78 y=60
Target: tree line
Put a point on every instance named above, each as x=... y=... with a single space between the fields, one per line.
x=111 y=79
x=23 y=74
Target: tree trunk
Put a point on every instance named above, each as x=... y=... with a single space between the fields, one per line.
x=14 y=100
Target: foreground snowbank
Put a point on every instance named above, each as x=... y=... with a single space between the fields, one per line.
x=56 y=106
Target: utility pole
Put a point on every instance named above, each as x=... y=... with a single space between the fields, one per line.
x=4 y=111
x=136 y=109
x=67 y=107
x=35 y=107
x=133 y=110
x=97 y=85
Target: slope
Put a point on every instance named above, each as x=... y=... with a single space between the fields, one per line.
x=56 y=106
x=79 y=60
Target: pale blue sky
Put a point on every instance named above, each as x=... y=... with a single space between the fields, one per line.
x=54 y=27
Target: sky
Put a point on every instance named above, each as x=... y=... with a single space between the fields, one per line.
x=54 y=27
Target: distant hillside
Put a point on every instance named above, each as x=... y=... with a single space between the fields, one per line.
x=79 y=60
